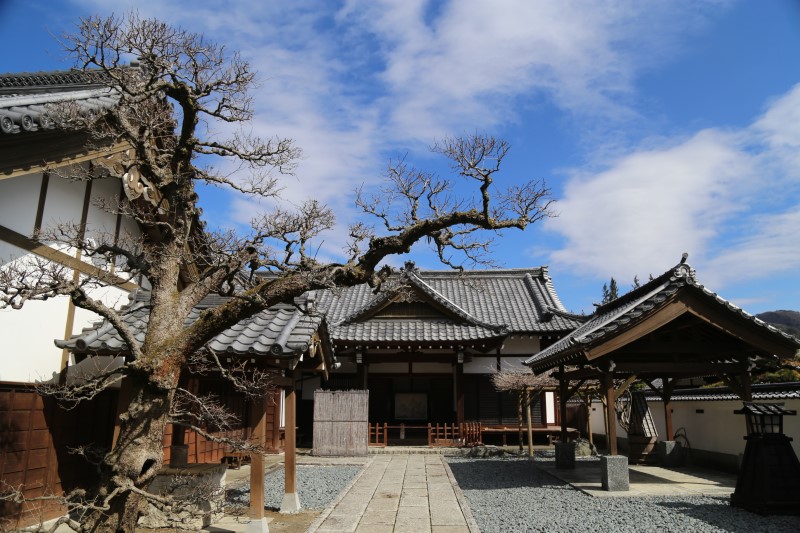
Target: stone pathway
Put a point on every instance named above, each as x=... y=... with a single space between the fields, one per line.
x=401 y=494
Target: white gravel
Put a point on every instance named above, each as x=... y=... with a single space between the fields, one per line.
x=317 y=486
x=512 y=495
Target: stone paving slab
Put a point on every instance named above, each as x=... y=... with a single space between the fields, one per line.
x=412 y=493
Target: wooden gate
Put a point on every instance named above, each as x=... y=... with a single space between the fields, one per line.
x=341 y=425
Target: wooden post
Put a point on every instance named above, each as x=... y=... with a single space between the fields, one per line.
x=562 y=402
x=588 y=403
x=528 y=402
x=276 y=420
x=460 y=393
x=258 y=421
x=667 y=396
x=608 y=385
x=747 y=391
x=291 y=502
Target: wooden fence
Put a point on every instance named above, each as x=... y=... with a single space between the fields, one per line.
x=36 y=437
x=341 y=423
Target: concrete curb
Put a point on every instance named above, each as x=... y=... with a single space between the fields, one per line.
x=462 y=500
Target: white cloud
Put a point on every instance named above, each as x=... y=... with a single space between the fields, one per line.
x=725 y=197
x=350 y=83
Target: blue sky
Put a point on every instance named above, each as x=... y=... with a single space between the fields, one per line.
x=661 y=126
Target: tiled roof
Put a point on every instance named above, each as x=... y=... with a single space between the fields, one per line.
x=282 y=331
x=476 y=305
x=629 y=309
x=24 y=97
x=760 y=391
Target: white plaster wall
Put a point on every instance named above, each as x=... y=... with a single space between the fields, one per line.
x=717 y=429
x=98 y=217
x=64 y=202
x=19 y=198
x=28 y=350
x=29 y=353
x=111 y=296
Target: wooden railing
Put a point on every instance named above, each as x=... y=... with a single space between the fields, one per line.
x=444 y=435
x=468 y=434
x=378 y=434
x=472 y=433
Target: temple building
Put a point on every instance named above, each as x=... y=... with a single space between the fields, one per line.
x=426 y=344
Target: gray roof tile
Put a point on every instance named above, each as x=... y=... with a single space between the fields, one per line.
x=482 y=304
x=632 y=307
x=25 y=97
x=282 y=330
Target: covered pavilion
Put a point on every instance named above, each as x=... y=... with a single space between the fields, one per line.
x=669 y=329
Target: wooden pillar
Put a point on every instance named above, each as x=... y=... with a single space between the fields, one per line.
x=588 y=404
x=667 y=397
x=562 y=402
x=747 y=391
x=528 y=401
x=276 y=420
x=258 y=421
x=291 y=502
x=291 y=440
x=611 y=435
x=459 y=384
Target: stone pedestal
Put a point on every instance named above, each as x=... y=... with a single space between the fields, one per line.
x=203 y=483
x=565 y=455
x=670 y=453
x=614 y=472
x=257 y=526
x=290 y=503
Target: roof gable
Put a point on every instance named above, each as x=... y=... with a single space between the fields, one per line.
x=664 y=300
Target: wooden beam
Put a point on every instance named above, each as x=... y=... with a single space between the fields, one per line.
x=624 y=386
x=658 y=319
x=571 y=392
x=42 y=250
x=677 y=367
x=739 y=327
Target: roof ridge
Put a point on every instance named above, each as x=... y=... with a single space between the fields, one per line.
x=439 y=297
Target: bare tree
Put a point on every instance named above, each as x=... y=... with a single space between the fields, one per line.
x=525 y=385
x=168 y=104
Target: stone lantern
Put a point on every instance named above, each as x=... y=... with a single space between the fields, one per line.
x=769 y=476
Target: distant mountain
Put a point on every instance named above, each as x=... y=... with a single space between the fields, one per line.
x=788 y=321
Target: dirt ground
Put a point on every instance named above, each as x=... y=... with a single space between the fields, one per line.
x=278 y=523
x=291 y=523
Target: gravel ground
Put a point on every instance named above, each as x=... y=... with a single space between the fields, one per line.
x=512 y=495
x=317 y=486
